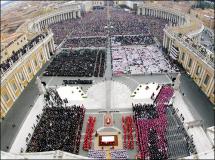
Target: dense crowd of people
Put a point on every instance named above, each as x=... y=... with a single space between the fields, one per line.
x=151 y=129
x=21 y=52
x=102 y=154
x=133 y=40
x=97 y=154
x=140 y=60
x=77 y=63
x=126 y=29
x=119 y=154
x=85 y=42
x=87 y=144
x=153 y=147
x=146 y=111
x=155 y=127
x=93 y=24
x=179 y=142
x=59 y=127
x=127 y=125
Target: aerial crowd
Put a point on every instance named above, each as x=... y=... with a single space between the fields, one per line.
x=93 y=27
x=78 y=63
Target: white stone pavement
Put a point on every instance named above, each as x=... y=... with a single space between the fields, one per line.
x=200 y=137
x=20 y=140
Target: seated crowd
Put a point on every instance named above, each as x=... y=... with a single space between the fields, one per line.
x=146 y=111
x=179 y=142
x=149 y=146
x=59 y=128
x=85 y=42
x=89 y=133
x=152 y=127
x=133 y=40
x=155 y=152
x=140 y=60
x=101 y=154
x=77 y=63
x=21 y=52
x=127 y=125
x=79 y=81
x=119 y=154
x=97 y=154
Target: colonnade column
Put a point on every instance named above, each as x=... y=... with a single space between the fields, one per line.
x=39 y=60
x=186 y=60
x=164 y=39
x=138 y=11
x=170 y=44
x=144 y=11
x=45 y=52
x=4 y=108
x=12 y=95
x=33 y=67
x=79 y=14
x=210 y=87
x=167 y=43
x=52 y=46
x=19 y=82
x=26 y=73
x=202 y=77
x=74 y=15
x=193 y=69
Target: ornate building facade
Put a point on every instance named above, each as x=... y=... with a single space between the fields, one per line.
x=181 y=41
x=31 y=54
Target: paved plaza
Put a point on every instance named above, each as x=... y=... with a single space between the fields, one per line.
x=193 y=97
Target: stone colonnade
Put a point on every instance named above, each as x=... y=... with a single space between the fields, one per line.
x=190 y=58
x=157 y=12
x=45 y=21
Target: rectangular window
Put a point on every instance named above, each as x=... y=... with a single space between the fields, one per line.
x=5 y=97
x=21 y=76
x=207 y=78
x=29 y=69
x=14 y=86
x=190 y=63
x=183 y=55
x=198 y=70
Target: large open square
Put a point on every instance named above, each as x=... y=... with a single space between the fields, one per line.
x=108 y=80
